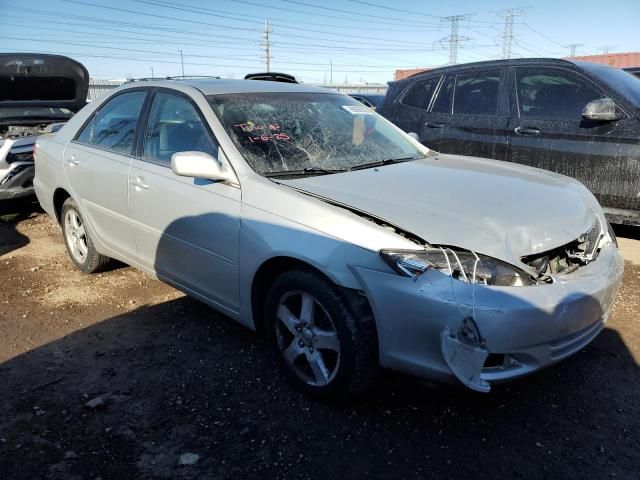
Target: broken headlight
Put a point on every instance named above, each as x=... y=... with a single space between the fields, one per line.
x=463 y=265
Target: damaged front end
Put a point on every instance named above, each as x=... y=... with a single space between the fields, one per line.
x=465 y=352
x=16 y=167
x=463 y=347
x=570 y=257
x=485 y=333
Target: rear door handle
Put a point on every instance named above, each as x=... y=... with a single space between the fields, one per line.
x=434 y=125
x=526 y=131
x=73 y=161
x=139 y=183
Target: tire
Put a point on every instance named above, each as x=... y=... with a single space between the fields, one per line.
x=79 y=245
x=331 y=336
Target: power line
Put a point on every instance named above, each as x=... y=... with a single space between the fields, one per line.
x=396 y=9
x=299 y=44
x=314 y=38
x=299 y=22
x=215 y=57
x=137 y=59
x=165 y=17
x=350 y=12
x=543 y=35
x=386 y=21
x=204 y=11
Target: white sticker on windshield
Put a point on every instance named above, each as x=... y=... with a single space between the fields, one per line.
x=358 y=109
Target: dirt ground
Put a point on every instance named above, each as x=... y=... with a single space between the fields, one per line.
x=116 y=376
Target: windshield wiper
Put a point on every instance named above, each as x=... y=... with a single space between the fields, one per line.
x=386 y=161
x=303 y=172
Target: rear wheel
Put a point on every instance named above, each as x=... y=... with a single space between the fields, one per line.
x=322 y=347
x=78 y=242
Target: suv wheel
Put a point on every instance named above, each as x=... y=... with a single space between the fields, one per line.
x=78 y=242
x=322 y=347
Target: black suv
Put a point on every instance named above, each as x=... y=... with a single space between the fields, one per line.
x=575 y=118
x=634 y=71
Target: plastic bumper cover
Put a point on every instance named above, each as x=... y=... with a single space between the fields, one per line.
x=419 y=321
x=17 y=182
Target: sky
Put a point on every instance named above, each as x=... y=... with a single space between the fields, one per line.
x=353 y=41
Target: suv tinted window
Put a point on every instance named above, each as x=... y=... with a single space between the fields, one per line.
x=175 y=126
x=553 y=93
x=419 y=94
x=443 y=100
x=113 y=126
x=476 y=93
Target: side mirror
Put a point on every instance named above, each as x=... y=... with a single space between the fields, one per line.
x=201 y=165
x=601 y=110
x=414 y=135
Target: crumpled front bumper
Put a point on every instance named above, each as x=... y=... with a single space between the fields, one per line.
x=520 y=329
x=17 y=181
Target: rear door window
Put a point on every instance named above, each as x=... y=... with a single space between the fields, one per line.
x=113 y=126
x=419 y=94
x=174 y=125
x=553 y=93
x=443 y=101
x=477 y=93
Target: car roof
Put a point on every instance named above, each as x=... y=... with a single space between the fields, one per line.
x=496 y=63
x=215 y=86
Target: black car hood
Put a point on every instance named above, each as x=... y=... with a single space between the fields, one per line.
x=39 y=80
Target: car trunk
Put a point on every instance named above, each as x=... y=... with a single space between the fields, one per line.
x=30 y=80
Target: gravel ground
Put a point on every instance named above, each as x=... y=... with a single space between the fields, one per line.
x=117 y=376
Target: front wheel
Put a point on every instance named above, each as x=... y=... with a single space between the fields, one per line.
x=322 y=346
x=79 y=245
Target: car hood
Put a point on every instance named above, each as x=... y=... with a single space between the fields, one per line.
x=499 y=209
x=37 y=80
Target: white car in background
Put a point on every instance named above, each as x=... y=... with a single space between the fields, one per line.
x=37 y=93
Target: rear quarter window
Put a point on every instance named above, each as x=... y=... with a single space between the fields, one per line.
x=419 y=94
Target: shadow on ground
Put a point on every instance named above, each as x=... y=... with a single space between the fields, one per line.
x=11 y=213
x=178 y=377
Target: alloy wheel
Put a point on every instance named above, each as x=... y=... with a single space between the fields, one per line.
x=75 y=236
x=307 y=338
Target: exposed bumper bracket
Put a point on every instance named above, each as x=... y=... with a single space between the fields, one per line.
x=464 y=358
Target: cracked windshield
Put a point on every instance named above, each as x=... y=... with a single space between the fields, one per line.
x=314 y=131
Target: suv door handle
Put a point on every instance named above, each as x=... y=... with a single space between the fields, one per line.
x=434 y=125
x=139 y=183
x=526 y=131
x=73 y=161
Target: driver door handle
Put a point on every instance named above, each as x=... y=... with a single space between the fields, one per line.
x=434 y=125
x=139 y=183
x=72 y=160
x=526 y=131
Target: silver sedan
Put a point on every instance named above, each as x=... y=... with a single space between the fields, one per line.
x=306 y=216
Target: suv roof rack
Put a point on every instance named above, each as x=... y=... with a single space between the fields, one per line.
x=271 y=77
